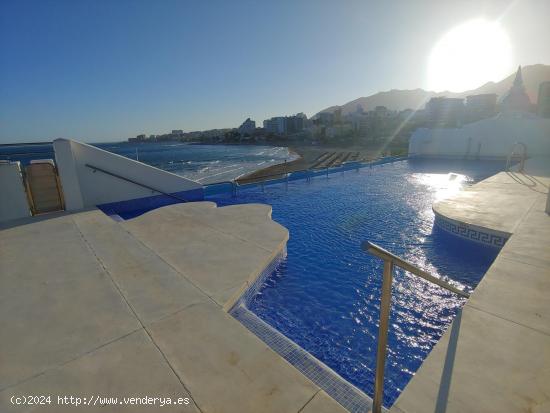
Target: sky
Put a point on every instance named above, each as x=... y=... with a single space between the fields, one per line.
x=108 y=70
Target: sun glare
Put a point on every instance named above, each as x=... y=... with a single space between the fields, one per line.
x=469 y=55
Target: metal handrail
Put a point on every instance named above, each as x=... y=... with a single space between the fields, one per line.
x=391 y=260
x=522 y=159
x=96 y=168
x=256 y=179
x=292 y=172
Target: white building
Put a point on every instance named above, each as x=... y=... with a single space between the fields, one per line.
x=276 y=125
x=487 y=138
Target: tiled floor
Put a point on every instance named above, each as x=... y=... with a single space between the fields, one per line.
x=93 y=307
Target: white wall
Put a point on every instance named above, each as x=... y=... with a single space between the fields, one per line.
x=84 y=188
x=13 y=198
x=493 y=137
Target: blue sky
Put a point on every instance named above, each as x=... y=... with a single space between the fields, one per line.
x=108 y=70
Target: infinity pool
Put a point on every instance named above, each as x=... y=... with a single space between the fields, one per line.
x=325 y=295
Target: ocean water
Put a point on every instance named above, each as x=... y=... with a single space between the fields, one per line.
x=325 y=296
x=202 y=163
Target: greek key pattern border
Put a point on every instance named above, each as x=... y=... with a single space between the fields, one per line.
x=486 y=237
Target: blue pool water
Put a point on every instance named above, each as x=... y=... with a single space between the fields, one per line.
x=325 y=295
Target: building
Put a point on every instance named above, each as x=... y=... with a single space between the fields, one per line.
x=445 y=111
x=491 y=138
x=141 y=137
x=380 y=112
x=286 y=125
x=481 y=106
x=295 y=123
x=248 y=127
x=326 y=118
x=543 y=102
x=276 y=125
x=360 y=123
x=516 y=100
x=338 y=116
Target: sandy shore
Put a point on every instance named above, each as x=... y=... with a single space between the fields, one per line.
x=312 y=157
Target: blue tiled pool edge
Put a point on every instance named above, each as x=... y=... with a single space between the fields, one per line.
x=345 y=393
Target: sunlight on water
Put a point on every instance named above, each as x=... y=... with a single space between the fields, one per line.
x=442 y=185
x=325 y=295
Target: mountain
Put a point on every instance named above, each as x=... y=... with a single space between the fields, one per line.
x=396 y=99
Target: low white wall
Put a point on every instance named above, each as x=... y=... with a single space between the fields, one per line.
x=83 y=187
x=488 y=138
x=13 y=198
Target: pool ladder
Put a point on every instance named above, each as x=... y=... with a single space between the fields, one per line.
x=390 y=261
x=523 y=156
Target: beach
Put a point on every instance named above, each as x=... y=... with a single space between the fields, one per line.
x=313 y=157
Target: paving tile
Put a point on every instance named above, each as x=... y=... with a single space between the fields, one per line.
x=129 y=367
x=323 y=403
x=225 y=367
x=152 y=287
x=215 y=261
x=511 y=374
x=56 y=302
x=517 y=292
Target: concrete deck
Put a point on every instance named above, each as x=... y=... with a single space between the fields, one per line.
x=89 y=306
x=495 y=357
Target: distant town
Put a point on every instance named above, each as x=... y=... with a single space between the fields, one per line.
x=364 y=127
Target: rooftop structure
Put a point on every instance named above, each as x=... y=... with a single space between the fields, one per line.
x=516 y=100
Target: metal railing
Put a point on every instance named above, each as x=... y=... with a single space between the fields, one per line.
x=310 y=172
x=96 y=168
x=391 y=260
x=523 y=156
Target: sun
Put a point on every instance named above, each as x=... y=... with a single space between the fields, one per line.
x=469 y=55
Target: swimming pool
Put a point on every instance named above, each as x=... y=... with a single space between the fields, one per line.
x=325 y=295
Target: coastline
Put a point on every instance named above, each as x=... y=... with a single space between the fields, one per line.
x=310 y=157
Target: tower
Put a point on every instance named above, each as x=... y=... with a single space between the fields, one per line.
x=516 y=100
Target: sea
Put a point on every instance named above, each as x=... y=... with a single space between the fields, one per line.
x=202 y=163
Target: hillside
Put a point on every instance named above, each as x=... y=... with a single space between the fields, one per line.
x=396 y=99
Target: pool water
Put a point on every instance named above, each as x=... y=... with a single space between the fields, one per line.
x=325 y=295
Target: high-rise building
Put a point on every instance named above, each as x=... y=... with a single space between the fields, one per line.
x=543 y=102
x=248 y=127
x=445 y=111
x=516 y=100
x=276 y=125
x=481 y=106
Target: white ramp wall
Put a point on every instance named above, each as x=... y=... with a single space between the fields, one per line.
x=83 y=187
x=488 y=138
x=13 y=199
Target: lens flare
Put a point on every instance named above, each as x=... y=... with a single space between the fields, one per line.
x=470 y=55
